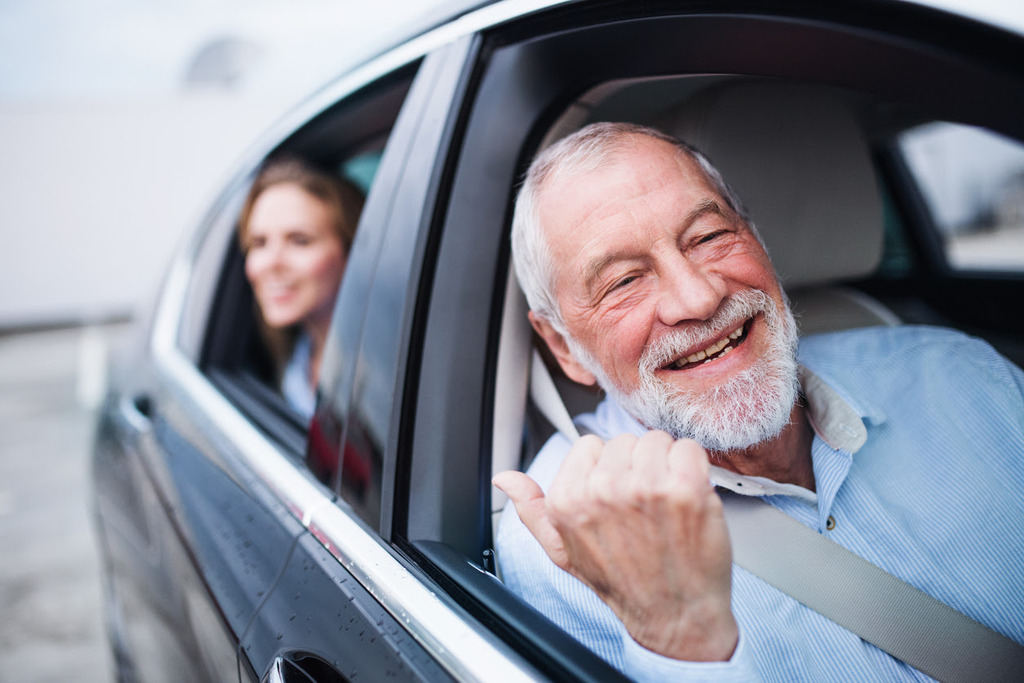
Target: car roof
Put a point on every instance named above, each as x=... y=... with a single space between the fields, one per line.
x=1004 y=14
x=449 y=20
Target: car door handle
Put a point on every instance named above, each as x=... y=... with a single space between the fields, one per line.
x=275 y=674
x=138 y=411
x=144 y=405
x=284 y=670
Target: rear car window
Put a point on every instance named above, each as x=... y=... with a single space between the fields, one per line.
x=972 y=181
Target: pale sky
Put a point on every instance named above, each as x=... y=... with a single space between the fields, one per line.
x=95 y=49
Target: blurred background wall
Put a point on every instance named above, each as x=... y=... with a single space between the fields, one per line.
x=95 y=196
x=119 y=119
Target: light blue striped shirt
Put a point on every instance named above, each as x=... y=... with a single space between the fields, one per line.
x=295 y=385
x=934 y=495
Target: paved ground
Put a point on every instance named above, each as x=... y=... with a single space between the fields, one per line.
x=51 y=624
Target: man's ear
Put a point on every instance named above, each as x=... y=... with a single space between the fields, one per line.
x=556 y=342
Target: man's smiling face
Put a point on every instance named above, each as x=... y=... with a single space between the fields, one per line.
x=653 y=268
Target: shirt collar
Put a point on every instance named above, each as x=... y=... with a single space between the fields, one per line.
x=758 y=486
x=836 y=419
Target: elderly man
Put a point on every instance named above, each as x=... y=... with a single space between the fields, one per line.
x=902 y=444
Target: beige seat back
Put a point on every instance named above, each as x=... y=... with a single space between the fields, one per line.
x=800 y=163
x=797 y=158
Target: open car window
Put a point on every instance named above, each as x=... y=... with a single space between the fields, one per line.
x=972 y=181
x=222 y=334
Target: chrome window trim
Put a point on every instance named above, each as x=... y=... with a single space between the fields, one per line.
x=1001 y=15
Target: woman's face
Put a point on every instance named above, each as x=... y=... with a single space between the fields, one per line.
x=294 y=259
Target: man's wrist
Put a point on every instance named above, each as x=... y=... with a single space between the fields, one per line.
x=645 y=665
x=711 y=636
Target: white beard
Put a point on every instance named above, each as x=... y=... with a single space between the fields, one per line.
x=750 y=409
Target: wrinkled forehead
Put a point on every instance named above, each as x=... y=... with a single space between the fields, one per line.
x=628 y=150
x=633 y=170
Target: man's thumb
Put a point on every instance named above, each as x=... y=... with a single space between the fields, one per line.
x=531 y=506
x=524 y=492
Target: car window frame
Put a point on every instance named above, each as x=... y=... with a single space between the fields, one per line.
x=226 y=345
x=242 y=449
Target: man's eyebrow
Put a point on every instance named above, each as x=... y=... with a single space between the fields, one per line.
x=593 y=269
x=704 y=207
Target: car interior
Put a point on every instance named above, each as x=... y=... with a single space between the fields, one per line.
x=802 y=159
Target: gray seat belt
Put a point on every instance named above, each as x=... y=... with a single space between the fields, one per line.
x=840 y=585
x=885 y=611
x=547 y=399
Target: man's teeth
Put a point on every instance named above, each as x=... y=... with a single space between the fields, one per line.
x=706 y=354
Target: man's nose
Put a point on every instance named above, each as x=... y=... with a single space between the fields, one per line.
x=688 y=291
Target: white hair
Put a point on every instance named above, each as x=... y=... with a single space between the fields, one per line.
x=583 y=152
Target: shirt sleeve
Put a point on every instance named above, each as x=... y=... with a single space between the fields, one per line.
x=644 y=665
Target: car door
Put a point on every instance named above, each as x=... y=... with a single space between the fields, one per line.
x=190 y=547
x=382 y=557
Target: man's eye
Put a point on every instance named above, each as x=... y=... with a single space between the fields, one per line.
x=710 y=236
x=623 y=282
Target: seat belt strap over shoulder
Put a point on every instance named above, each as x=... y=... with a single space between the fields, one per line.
x=840 y=585
x=861 y=597
x=547 y=399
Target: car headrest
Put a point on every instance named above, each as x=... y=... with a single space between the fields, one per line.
x=800 y=164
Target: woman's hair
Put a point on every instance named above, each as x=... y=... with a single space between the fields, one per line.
x=344 y=199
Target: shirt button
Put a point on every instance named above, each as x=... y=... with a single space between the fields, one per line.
x=830 y=523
